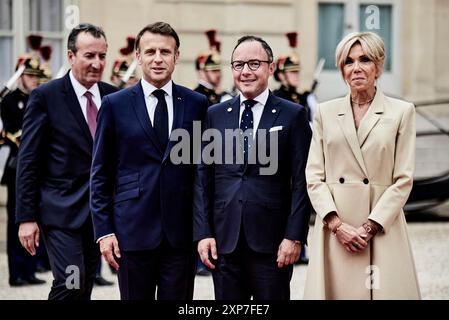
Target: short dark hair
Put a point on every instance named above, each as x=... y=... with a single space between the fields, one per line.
x=264 y=44
x=162 y=28
x=95 y=31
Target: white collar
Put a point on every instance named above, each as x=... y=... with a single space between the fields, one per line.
x=148 y=88
x=261 y=98
x=80 y=90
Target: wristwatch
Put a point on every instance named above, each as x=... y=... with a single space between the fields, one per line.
x=368 y=228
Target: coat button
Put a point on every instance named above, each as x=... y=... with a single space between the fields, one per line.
x=342 y=180
x=365 y=181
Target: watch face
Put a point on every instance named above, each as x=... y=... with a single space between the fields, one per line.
x=368 y=228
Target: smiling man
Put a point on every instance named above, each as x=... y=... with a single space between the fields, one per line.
x=54 y=162
x=251 y=226
x=141 y=201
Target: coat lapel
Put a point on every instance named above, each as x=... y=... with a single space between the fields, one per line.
x=371 y=118
x=178 y=115
x=140 y=108
x=75 y=108
x=346 y=122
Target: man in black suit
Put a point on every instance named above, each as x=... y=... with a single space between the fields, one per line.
x=54 y=165
x=141 y=199
x=21 y=265
x=251 y=219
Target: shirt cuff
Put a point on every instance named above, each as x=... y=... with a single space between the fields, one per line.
x=105 y=236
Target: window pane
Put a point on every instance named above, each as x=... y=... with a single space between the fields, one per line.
x=385 y=28
x=331 y=20
x=6 y=62
x=5 y=14
x=45 y=15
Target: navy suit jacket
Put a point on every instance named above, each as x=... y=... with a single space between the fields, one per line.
x=270 y=207
x=55 y=156
x=137 y=192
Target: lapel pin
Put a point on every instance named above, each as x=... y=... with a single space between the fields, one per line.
x=229 y=109
x=273 y=111
x=179 y=98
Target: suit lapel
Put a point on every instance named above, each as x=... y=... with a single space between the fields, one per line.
x=233 y=114
x=371 y=118
x=140 y=108
x=270 y=113
x=75 y=108
x=178 y=115
x=346 y=122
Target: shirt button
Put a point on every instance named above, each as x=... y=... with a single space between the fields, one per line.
x=365 y=181
x=342 y=180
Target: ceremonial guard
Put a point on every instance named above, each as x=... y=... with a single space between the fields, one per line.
x=122 y=65
x=287 y=73
x=22 y=266
x=208 y=66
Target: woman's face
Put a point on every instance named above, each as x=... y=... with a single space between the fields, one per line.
x=359 y=71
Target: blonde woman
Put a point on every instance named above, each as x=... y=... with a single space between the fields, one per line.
x=359 y=175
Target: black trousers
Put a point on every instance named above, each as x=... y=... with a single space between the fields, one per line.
x=74 y=258
x=20 y=263
x=165 y=273
x=245 y=273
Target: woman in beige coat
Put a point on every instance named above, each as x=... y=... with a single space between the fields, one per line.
x=359 y=175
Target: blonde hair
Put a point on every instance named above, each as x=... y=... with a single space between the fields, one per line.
x=372 y=46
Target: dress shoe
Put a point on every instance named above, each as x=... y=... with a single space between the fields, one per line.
x=17 y=282
x=34 y=280
x=42 y=269
x=100 y=281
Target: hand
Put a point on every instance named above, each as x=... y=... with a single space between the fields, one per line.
x=108 y=248
x=351 y=238
x=29 y=236
x=204 y=247
x=288 y=252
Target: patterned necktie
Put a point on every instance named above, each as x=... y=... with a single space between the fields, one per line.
x=247 y=124
x=91 y=111
x=160 y=122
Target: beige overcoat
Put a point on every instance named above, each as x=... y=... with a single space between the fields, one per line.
x=360 y=174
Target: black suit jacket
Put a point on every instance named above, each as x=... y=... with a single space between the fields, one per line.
x=234 y=197
x=55 y=157
x=137 y=192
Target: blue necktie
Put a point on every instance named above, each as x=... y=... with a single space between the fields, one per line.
x=247 y=123
x=160 y=122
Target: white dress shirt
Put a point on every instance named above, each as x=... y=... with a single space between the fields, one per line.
x=257 y=108
x=80 y=90
x=151 y=100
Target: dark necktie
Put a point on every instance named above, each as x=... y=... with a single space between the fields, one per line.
x=247 y=124
x=160 y=122
x=91 y=112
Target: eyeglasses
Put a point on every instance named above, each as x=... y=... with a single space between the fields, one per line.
x=252 y=64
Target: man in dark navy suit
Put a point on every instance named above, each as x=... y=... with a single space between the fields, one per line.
x=54 y=164
x=250 y=221
x=141 y=199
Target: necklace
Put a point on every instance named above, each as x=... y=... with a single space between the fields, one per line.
x=362 y=103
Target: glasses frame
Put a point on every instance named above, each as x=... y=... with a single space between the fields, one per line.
x=248 y=63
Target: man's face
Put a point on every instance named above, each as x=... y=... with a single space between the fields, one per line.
x=213 y=77
x=30 y=82
x=252 y=83
x=88 y=62
x=292 y=78
x=157 y=55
